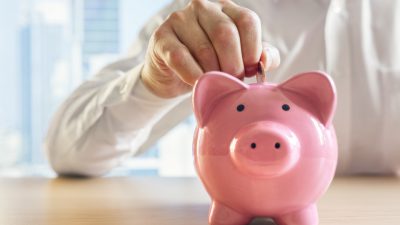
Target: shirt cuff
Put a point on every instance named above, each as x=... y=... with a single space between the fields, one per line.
x=142 y=93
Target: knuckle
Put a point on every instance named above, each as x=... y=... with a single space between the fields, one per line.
x=224 y=32
x=158 y=34
x=176 y=56
x=197 y=4
x=225 y=3
x=177 y=16
x=248 y=19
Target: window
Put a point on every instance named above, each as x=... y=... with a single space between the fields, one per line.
x=48 y=47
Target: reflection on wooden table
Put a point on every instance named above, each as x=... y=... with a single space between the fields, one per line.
x=177 y=201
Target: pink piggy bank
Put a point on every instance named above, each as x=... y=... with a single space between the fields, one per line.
x=265 y=150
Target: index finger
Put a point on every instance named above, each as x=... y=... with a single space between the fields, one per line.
x=249 y=27
x=177 y=57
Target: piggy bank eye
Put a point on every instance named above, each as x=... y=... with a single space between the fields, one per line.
x=240 y=107
x=285 y=107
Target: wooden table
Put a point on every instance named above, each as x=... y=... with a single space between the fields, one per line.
x=177 y=201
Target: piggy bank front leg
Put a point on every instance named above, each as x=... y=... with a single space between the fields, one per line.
x=306 y=216
x=223 y=215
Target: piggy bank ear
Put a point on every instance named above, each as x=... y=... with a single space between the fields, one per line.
x=315 y=92
x=210 y=88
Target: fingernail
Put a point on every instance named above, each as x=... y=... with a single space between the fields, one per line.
x=251 y=70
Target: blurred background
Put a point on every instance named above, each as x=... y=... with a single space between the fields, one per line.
x=48 y=47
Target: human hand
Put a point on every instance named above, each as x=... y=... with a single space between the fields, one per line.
x=204 y=36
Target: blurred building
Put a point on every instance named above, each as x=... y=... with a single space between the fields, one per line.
x=48 y=48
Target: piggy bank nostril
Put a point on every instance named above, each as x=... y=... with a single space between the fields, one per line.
x=277 y=145
x=253 y=145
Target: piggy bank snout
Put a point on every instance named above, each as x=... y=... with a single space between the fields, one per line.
x=265 y=149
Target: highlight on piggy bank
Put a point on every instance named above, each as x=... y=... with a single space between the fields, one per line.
x=264 y=149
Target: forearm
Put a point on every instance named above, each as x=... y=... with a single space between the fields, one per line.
x=104 y=121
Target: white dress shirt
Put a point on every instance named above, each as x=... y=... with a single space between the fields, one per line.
x=113 y=116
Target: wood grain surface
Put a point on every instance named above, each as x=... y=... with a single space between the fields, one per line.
x=173 y=201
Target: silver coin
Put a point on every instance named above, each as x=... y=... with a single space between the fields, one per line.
x=261 y=73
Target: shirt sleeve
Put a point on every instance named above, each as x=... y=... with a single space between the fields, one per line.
x=109 y=117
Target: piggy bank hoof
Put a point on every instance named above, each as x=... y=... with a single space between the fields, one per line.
x=223 y=215
x=306 y=216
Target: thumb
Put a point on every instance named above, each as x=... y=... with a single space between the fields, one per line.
x=270 y=56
